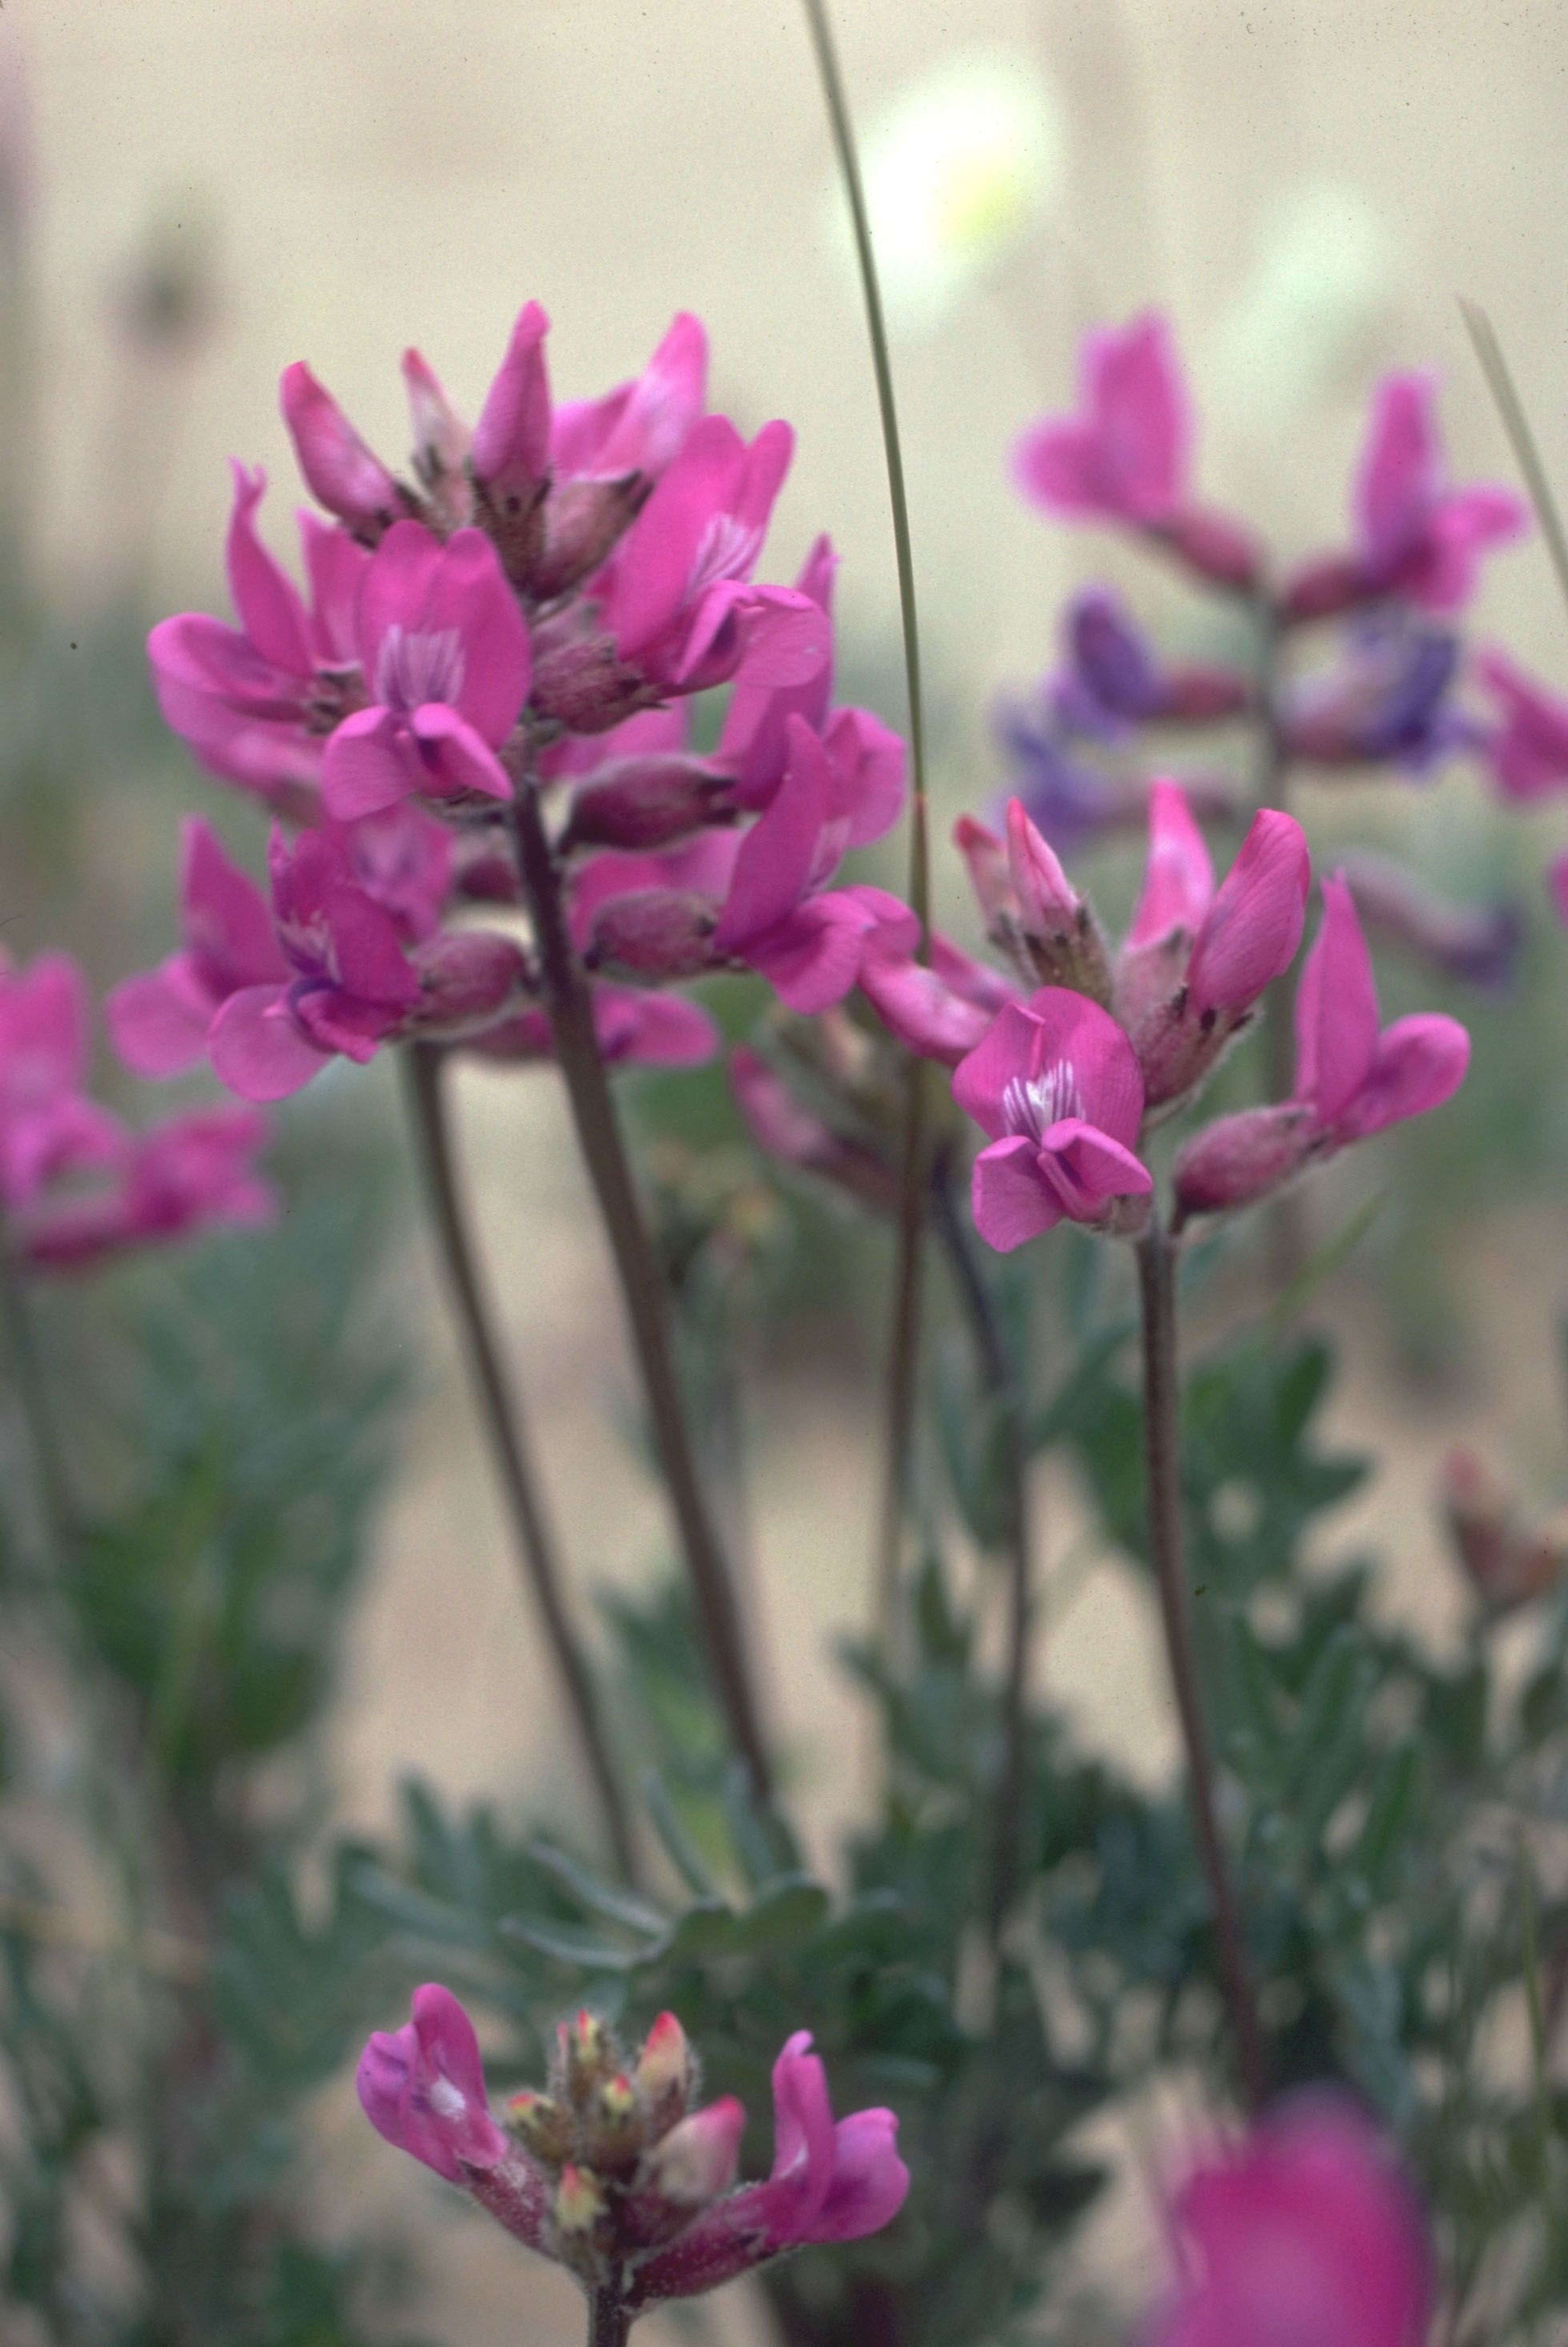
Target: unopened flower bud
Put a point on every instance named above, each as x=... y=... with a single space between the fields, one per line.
x=1058 y=929
x=588 y=2055
x=1237 y=1160
x=342 y=474
x=581 y=523
x=511 y=448
x=612 y=2126
x=440 y=443
x=580 y=2205
x=654 y=933
x=468 y=978
x=987 y=861
x=648 y=803
x=666 y=2072
x=583 y=685
x=696 y=2161
x=543 y=2125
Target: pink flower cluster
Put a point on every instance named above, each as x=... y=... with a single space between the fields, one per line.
x=76 y=1183
x=1304 y=2235
x=532 y=610
x=615 y=2172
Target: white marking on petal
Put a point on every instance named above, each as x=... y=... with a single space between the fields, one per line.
x=418 y=664
x=1031 y=1106
x=448 y=2101
x=726 y=550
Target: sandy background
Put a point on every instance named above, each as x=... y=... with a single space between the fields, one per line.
x=345 y=175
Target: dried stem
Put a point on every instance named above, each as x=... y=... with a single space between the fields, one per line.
x=1163 y=1467
x=604 y=1153
x=999 y=1377
x=905 y=1340
x=504 y=1429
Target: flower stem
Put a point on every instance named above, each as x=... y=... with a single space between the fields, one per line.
x=1287 y=1216
x=604 y=1153
x=1161 y=1455
x=905 y=1342
x=508 y=1436
x=608 y=2316
x=999 y=1377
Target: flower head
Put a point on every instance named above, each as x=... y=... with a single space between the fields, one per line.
x=1306 y=2235
x=1056 y=1085
x=423 y=2088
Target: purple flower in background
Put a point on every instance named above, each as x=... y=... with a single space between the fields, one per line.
x=1114 y=679
x=1416 y=536
x=48 y=1128
x=1057 y=1086
x=1304 y=2235
x=1123 y=456
x=1387 y=700
x=193 y=1172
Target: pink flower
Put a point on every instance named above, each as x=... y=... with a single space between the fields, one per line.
x=1528 y=753
x=829 y=2183
x=1351 y=1079
x=256 y=703
x=444 y=653
x=1306 y=2235
x=1357 y=1077
x=160 y=1020
x=940 y=1009
x=191 y=1173
x=1124 y=457
x=754 y=746
x=636 y=1028
x=807 y=940
x=678 y=604
x=46 y=1127
x=1196 y=958
x=352 y=988
x=342 y=473
x=1415 y=536
x=423 y=2088
x=642 y=426
x=790 y=1133
x=1056 y=1085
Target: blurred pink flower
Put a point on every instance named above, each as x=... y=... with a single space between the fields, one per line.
x=1528 y=752
x=1056 y=1085
x=193 y=1172
x=1306 y=2235
x=159 y=1019
x=48 y=1128
x=1415 y=536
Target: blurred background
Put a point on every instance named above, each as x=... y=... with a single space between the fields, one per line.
x=193 y=197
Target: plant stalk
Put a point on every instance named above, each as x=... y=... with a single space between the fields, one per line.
x=998 y=1378
x=504 y=1429
x=642 y=1290
x=1286 y=1224
x=904 y=1343
x=609 y=2318
x=1162 y=1468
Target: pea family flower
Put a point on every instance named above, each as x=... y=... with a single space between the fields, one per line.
x=445 y=654
x=1124 y=457
x=1415 y=536
x=1115 y=678
x=1527 y=750
x=1304 y=2235
x=192 y=1172
x=48 y=1128
x=615 y=2171
x=1056 y=1085
x=1196 y=958
x=257 y=703
x=1352 y=1079
x=1387 y=700
x=348 y=985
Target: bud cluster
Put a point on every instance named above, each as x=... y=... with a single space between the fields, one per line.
x=629 y=2163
